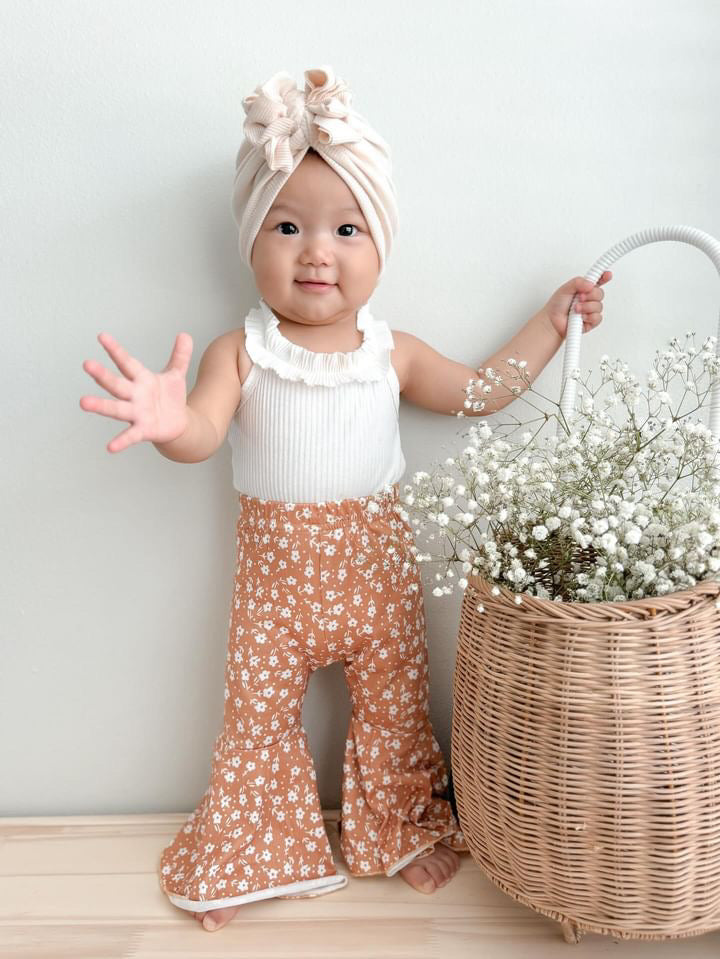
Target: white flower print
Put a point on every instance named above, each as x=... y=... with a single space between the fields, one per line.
x=263 y=777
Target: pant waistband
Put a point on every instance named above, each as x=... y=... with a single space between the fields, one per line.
x=328 y=512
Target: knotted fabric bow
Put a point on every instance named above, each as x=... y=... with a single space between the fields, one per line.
x=282 y=123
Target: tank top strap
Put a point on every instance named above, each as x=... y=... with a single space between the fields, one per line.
x=269 y=349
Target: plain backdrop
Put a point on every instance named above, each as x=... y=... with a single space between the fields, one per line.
x=527 y=139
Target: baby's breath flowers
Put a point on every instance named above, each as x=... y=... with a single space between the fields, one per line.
x=608 y=508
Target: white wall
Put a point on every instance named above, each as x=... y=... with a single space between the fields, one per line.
x=527 y=139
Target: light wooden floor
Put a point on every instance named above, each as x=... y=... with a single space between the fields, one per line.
x=85 y=887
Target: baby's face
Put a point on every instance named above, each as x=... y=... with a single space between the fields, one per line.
x=315 y=230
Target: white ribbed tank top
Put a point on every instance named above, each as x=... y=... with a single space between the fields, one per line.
x=314 y=427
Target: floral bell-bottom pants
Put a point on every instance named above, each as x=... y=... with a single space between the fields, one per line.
x=316 y=583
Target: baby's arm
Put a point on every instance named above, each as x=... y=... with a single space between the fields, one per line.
x=211 y=403
x=431 y=380
x=426 y=377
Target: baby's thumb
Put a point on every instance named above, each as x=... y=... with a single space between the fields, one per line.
x=182 y=351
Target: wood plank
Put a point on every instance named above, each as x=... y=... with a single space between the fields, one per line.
x=86 y=887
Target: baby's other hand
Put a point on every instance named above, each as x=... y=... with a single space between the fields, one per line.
x=588 y=303
x=154 y=404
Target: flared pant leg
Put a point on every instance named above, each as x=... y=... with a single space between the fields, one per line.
x=394 y=773
x=258 y=831
x=372 y=616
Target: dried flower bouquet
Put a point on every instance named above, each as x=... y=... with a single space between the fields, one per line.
x=610 y=507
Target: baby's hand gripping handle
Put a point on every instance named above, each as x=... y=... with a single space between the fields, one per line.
x=684 y=234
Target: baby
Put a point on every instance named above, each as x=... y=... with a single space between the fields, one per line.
x=308 y=395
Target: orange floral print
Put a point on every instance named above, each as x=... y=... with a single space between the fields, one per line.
x=316 y=583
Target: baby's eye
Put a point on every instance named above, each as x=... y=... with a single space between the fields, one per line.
x=286 y=223
x=352 y=227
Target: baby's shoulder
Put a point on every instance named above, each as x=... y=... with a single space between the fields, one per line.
x=236 y=343
x=401 y=355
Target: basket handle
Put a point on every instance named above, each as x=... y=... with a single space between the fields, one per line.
x=684 y=234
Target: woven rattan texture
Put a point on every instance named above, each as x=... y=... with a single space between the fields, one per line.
x=586 y=756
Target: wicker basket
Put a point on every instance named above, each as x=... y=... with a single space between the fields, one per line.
x=586 y=742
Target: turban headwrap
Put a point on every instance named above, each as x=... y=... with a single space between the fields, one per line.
x=282 y=122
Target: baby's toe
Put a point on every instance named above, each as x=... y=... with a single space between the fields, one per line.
x=449 y=859
x=418 y=877
x=217 y=918
x=438 y=872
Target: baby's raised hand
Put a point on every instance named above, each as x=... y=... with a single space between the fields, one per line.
x=155 y=404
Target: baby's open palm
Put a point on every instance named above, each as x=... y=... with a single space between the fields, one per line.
x=155 y=404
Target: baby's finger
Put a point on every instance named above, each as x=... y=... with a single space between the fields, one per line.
x=117 y=385
x=126 y=363
x=117 y=409
x=121 y=442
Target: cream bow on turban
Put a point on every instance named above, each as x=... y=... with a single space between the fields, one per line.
x=282 y=122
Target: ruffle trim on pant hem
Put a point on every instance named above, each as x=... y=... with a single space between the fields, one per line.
x=411 y=857
x=416 y=854
x=322 y=885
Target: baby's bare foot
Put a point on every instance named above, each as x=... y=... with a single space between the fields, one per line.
x=428 y=874
x=215 y=919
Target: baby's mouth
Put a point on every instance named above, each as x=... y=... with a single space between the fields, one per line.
x=312 y=285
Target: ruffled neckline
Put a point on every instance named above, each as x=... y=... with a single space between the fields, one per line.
x=267 y=347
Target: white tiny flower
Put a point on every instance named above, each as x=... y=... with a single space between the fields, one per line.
x=540 y=532
x=609 y=542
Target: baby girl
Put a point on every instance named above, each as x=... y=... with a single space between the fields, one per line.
x=307 y=394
